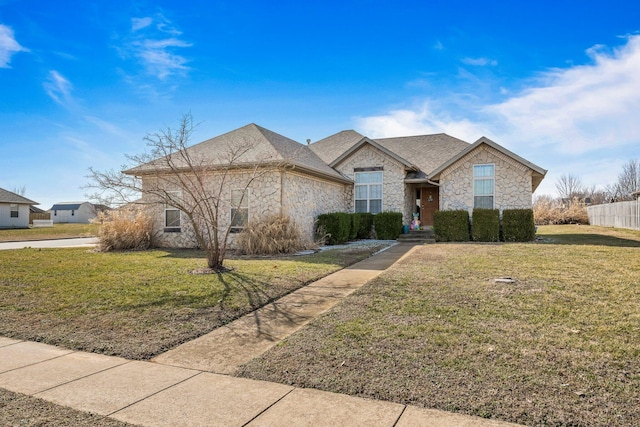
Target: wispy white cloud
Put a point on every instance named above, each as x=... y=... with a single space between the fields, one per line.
x=582 y=108
x=480 y=62
x=8 y=46
x=140 y=23
x=58 y=88
x=426 y=118
x=154 y=42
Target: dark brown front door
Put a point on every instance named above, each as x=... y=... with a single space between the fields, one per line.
x=429 y=203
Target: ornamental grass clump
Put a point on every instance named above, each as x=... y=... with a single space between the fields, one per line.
x=272 y=235
x=124 y=229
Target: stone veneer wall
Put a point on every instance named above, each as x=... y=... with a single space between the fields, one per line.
x=512 y=181
x=264 y=199
x=393 y=186
x=305 y=197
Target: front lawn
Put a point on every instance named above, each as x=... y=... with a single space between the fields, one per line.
x=139 y=304
x=58 y=231
x=558 y=344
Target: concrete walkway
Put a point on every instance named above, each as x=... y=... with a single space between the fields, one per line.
x=184 y=387
x=228 y=347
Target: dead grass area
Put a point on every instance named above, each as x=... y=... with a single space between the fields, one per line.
x=139 y=304
x=557 y=346
x=20 y=410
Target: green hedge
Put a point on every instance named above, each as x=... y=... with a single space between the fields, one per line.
x=388 y=225
x=451 y=226
x=517 y=225
x=365 y=226
x=485 y=226
x=334 y=227
x=355 y=226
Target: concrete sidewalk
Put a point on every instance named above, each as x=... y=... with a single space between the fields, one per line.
x=150 y=394
x=186 y=387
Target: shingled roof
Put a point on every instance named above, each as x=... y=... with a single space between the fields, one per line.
x=426 y=152
x=262 y=147
x=7 y=196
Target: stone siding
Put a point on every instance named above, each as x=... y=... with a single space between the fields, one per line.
x=393 y=186
x=305 y=197
x=264 y=199
x=512 y=181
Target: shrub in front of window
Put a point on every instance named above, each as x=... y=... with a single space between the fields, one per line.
x=334 y=227
x=388 y=225
x=485 y=225
x=451 y=226
x=365 y=225
x=517 y=225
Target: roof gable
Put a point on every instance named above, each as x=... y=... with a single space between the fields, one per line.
x=538 y=172
x=366 y=141
x=7 y=196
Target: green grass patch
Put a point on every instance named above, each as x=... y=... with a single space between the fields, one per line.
x=58 y=231
x=557 y=345
x=139 y=304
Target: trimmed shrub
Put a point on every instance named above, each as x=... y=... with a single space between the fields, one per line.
x=485 y=226
x=388 y=225
x=124 y=229
x=517 y=225
x=451 y=226
x=355 y=226
x=272 y=235
x=334 y=228
x=365 y=225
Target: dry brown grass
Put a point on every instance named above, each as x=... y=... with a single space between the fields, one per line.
x=273 y=235
x=551 y=211
x=124 y=229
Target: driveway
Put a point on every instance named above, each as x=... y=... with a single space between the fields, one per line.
x=58 y=243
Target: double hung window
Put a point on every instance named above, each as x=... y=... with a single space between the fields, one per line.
x=368 y=192
x=483 y=186
x=239 y=209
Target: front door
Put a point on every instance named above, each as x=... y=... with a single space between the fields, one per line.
x=428 y=200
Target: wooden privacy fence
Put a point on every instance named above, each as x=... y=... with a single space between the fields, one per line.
x=43 y=215
x=619 y=215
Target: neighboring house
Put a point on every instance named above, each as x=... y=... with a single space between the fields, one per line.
x=14 y=210
x=75 y=212
x=350 y=172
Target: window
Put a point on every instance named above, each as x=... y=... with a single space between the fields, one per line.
x=368 y=192
x=172 y=215
x=73 y=212
x=483 y=180
x=239 y=209
x=14 y=210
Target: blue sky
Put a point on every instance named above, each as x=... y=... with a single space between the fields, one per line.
x=81 y=83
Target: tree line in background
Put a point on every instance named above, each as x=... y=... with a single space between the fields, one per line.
x=573 y=196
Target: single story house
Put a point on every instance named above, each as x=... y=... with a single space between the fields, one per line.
x=75 y=212
x=350 y=172
x=14 y=210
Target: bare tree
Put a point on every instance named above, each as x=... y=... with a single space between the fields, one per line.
x=21 y=191
x=628 y=181
x=569 y=186
x=176 y=175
